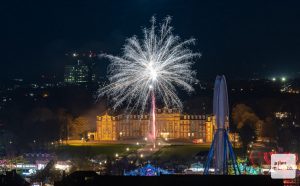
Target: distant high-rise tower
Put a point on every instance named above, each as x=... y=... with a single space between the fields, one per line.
x=82 y=68
x=76 y=73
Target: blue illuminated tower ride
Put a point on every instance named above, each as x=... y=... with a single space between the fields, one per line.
x=221 y=151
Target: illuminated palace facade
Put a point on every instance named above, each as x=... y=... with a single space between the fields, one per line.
x=170 y=124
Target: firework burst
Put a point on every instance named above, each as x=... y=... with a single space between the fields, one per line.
x=152 y=67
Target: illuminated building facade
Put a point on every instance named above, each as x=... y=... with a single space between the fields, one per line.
x=170 y=124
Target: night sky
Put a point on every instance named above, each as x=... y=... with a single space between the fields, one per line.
x=241 y=40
